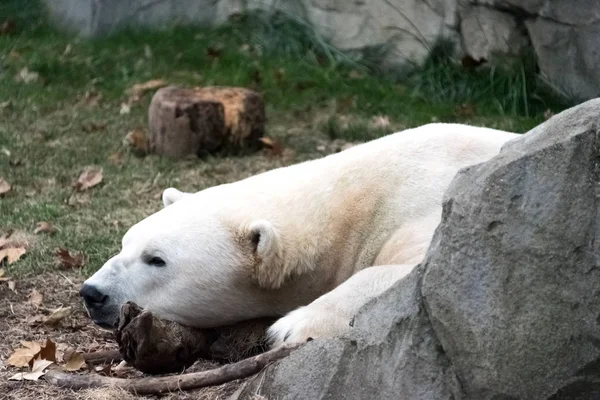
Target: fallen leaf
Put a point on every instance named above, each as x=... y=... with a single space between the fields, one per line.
x=35 y=320
x=48 y=351
x=75 y=361
x=35 y=298
x=137 y=141
x=379 y=122
x=11 y=254
x=275 y=148
x=27 y=76
x=57 y=316
x=137 y=91
x=103 y=370
x=91 y=98
x=343 y=105
x=4 y=238
x=8 y=27
x=466 y=110
x=93 y=127
x=22 y=357
x=214 y=52
x=4 y=187
x=44 y=227
x=15 y=55
x=147 y=51
x=37 y=370
x=116 y=158
x=68 y=50
x=355 y=74
x=12 y=285
x=125 y=109
x=89 y=178
x=70 y=261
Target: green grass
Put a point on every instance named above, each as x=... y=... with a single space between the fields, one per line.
x=313 y=93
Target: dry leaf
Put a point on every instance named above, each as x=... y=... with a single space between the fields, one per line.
x=8 y=27
x=125 y=109
x=75 y=361
x=37 y=370
x=11 y=254
x=89 y=178
x=354 y=74
x=58 y=315
x=27 y=76
x=4 y=187
x=275 y=148
x=35 y=298
x=116 y=158
x=44 y=227
x=12 y=285
x=137 y=91
x=69 y=261
x=467 y=110
x=48 y=351
x=103 y=370
x=23 y=356
x=93 y=127
x=4 y=238
x=35 y=320
x=137 y=141
x=379 y=122
x=147 y=51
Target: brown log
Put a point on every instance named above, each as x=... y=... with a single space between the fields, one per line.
x=172 y=383
x=195 y=121
x=102 y=357
x=156 y=346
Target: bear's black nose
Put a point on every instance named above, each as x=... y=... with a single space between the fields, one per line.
x=92 y=296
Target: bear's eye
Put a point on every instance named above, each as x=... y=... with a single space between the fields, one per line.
x=157 y=262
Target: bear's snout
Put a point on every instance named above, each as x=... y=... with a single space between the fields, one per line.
x=92 y=297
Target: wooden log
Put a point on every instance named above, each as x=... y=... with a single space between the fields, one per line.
x=181 y=124
x=186 y=121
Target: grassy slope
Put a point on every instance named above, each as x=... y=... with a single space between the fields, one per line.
x=308 y=99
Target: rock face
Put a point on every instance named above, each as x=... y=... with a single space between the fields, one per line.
x=506 y=304
x=565 y=34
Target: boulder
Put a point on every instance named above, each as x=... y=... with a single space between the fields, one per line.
x=490 y=34
x=506 y=304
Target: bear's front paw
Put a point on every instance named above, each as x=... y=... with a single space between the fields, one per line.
x=309 y=322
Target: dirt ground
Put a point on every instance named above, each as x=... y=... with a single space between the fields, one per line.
x=60 y=289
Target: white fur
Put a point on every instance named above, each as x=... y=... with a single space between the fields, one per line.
x=269 y=244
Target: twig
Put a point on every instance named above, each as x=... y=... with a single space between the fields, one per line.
x=165 y=384
x=102 y=357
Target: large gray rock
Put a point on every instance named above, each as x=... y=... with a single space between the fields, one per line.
x=506 y=304
x=490 y=34
x=512 y=281
x=400 y=356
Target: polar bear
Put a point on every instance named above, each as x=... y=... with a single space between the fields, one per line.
x=308 y=244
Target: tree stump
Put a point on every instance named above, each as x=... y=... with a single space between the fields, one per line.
x=196 y=121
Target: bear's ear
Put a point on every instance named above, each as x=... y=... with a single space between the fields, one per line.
x=171 y=195
x=268 y=269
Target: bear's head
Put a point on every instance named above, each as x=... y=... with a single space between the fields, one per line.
x=191 y=264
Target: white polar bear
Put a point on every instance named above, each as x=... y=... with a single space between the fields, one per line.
x=292 y=237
